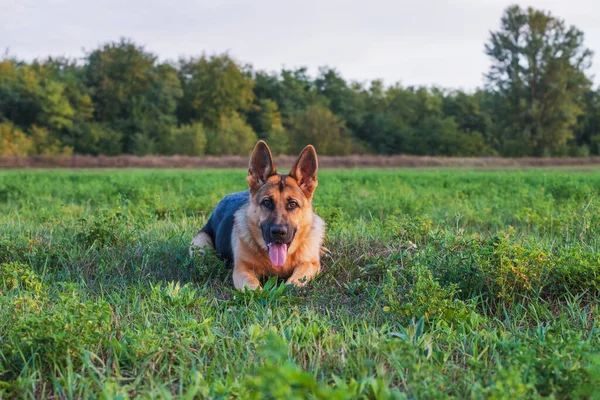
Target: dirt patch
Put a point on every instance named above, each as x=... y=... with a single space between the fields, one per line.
x=355 y=161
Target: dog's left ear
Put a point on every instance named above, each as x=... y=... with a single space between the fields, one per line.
x=261 y=166
x=305 y=170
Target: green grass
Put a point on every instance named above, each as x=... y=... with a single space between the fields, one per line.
x=438 y=284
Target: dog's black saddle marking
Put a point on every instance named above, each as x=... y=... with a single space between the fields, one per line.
x=220 y=224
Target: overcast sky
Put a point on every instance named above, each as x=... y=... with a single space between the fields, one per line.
x=415 y=43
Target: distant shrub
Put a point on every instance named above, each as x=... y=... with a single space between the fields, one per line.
x=268 y=124
x=94 y=138
x=143 y=144
x=185 y=140
x=44 y=143
x=318 y=126
x=232 y=137
x=38 y=141
x=14 y=142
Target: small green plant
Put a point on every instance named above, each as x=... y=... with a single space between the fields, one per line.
x=272 y=293
x=425 y=298
x=46 y=331
x=105 y=229
x=174 y=295
x=18 y=276
x=280 y=378
x=208 y=265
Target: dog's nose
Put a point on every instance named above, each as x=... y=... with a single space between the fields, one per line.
x=279 y=232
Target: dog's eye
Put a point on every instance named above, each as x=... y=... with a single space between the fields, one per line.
x=268 y=203
x=292 y=205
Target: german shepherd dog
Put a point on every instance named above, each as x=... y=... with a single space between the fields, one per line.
x=270 y=229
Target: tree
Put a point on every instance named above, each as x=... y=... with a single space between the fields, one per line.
x=587 y=131
x=318 y=126
x=394 y=113
x=13 y=142
x=538 y=73
x=44 y=143
x=213 y=88
x=232 y=136
x=347 y=102
x=292 y=90
x=28 y=97
x=95 y=138
x=467 y=110
x=133 y=94
x=266 y=121
x=19 y=93
x=440 y=136
x=187 y=140
x=71 y=76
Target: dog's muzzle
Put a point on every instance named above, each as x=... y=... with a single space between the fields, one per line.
x=278 y=239
x=280 y=234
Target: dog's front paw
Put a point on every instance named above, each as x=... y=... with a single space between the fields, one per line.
x=244 y=278
x=248 y=286
x=297 y=281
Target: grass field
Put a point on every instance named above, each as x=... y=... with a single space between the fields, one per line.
x=439 y=283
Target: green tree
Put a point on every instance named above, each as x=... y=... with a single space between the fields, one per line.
x=394 y=114
x=56 y=111
x=587 y=131
x=318 y=126
x=45 y=143
x=95 y=138
x=375 y=118
x=213 y=88
x=233 y=136
x=347 y=102
x=186 y=140
x=467 y=110
x=537 y=71
x=28 y=97
x=119 y=75
x=14 y=142
x=292 y=90
x=19 y=88
x=440 y=136
x=133 y=94
x=266 y=121
x=72 y=76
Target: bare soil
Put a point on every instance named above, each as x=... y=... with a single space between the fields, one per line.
x=354 y=161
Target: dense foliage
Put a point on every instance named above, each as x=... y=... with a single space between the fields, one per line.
x=120 y=98
x=439 y=284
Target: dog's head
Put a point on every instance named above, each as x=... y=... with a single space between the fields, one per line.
x=281 y=205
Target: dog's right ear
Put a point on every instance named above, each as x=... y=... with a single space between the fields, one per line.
x=261 y=167
x=305 y=170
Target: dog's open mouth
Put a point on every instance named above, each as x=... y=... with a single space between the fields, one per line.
x=278 y=253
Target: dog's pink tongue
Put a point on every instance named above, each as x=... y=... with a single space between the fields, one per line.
x=278 y=253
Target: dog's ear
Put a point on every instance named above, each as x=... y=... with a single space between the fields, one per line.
x=305 y=169
x=261 y=166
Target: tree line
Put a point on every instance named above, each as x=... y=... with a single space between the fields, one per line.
x=120 y=99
